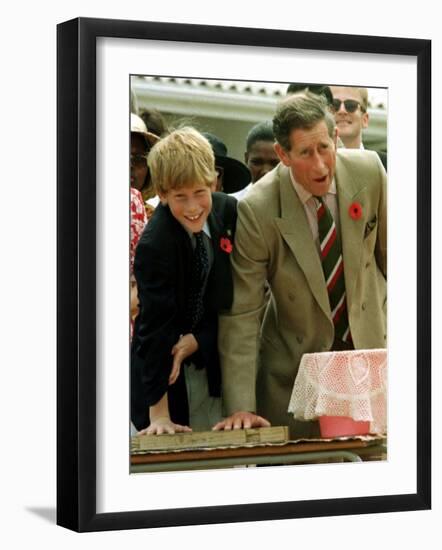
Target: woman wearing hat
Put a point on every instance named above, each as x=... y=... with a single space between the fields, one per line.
x=141 y=142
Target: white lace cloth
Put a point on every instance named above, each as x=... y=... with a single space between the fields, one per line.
x=342 y=383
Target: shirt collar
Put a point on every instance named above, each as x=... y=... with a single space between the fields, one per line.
x=305 y=195
x=206 y=230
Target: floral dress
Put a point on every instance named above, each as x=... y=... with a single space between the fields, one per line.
x=138 y=220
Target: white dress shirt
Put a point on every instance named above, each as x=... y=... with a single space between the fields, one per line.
x=309 y=203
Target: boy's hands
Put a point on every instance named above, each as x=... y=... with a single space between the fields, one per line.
x=160 y=422
x=186 y=346
x=242 y=419
x=163 y=425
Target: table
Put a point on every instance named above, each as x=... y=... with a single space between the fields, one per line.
x=350 y=450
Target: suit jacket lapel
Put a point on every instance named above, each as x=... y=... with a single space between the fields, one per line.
x=183 y=260
x=216 y=228
x=352 y=231
x=220 y=272
x=295 y=230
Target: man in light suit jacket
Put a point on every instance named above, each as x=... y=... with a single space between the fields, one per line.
x=277 y=241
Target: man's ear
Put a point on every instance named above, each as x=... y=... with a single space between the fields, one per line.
x=364 y=119
x=282 y=154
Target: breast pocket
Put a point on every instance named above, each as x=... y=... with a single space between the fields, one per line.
x=370 y=235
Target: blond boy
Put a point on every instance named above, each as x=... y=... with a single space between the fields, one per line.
x=182 y=268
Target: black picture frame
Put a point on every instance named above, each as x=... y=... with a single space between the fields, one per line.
x=76 y=273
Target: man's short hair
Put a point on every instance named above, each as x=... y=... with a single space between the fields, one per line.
x=263 y=131
x=364 y=99
x=300 y=111
x=182 y=158
x=363 y=92
x=316 y=89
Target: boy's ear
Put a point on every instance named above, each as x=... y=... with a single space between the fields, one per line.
x=163 y=197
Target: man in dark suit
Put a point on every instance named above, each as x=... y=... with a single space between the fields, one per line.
x=350 y=108
x=328 y=284
x=182 y=268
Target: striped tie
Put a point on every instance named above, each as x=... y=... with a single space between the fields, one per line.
x=333 y=267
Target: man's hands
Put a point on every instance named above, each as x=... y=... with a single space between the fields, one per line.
x=242 y=419
x=163 y=425
x=186 y=346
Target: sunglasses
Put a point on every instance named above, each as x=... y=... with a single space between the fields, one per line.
x=350 y=105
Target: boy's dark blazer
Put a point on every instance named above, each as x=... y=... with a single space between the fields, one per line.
x=163 y=271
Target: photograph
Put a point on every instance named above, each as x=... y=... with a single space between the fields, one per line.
x=214 y=355
x=257 y=342
x=224 y=351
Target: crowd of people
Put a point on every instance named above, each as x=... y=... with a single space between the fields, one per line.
x=238 y=269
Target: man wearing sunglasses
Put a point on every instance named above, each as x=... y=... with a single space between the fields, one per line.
x=349 y=106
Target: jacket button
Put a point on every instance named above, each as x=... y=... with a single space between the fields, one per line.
x=291 y=297
x=367 y=264
x=299 y=338
x=363 y=306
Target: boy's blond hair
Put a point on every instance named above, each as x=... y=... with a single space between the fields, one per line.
x=182 y=158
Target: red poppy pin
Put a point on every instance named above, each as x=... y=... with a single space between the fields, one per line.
x=355 y=210
x=226 y=245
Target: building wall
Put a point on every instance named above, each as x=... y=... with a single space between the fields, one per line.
x=232 y=132
x=229 y=110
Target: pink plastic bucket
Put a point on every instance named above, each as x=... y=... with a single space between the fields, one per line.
x=340 y=426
